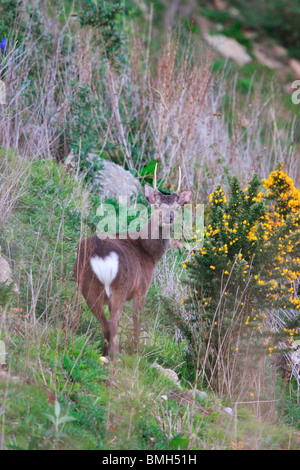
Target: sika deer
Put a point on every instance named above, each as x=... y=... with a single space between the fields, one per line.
x=115 y=270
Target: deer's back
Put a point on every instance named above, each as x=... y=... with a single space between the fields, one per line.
x=134 y=268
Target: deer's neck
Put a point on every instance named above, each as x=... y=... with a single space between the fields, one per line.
x=154 y=240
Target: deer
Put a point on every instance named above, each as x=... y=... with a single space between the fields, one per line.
x=113 y=270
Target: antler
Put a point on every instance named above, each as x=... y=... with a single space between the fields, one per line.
x=155 y=178
x=179 y=183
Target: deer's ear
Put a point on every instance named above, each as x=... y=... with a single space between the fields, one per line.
x=149 y=194
x=185 y=198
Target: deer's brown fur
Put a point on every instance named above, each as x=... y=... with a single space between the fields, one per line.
x=137 y=256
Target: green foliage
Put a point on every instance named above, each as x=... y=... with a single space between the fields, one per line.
x=104 y=18
x=232 y=26
x=19 y=20
x=42 y=417
x=83 y=130
x=26 y=424
x=5 y=293
x=58 y=421
x=165 y=348
x=147 y=173
x=152 y=436
x=279 y=18
x=9 y=14
x=235 y=30
x=290 y=405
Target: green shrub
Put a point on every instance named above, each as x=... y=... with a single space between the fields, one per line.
x=83 y=130
x=247 y=267
x=104 y=18
x=9 y=16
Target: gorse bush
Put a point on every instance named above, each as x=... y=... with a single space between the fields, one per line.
x=249 y=264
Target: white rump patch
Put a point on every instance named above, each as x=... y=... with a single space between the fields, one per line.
x=105 y=269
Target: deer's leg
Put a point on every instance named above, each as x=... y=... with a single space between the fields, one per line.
x=137 y=310
x=116 y=306
x=100 y=315
x=94 y=301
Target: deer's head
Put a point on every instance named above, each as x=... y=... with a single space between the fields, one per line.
x=165 y=206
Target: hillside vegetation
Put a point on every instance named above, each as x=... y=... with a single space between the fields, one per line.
x=218 y=363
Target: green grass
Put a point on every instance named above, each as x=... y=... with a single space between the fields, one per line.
x=43 y=233
x=61 y=396
x=124 y=405
x=47 y=372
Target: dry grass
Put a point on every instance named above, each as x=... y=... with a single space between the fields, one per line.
x=13 y=180
x=170 y=107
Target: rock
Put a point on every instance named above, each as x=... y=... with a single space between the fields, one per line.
x=169 y=373
x=199 y=393
x=228 y=411
x=295 y=353
x=295 y=66
x=69 y=162
x=104 y=360
x=7 y=377
x=204 y=24
x=279 y=51
x=249 y=34
x=6 y=274
x=228 y=47
x=220 y=4
x=288 y=88
x=267 y=60
x=234 y=12
x=113 y=181
x=5 y=271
